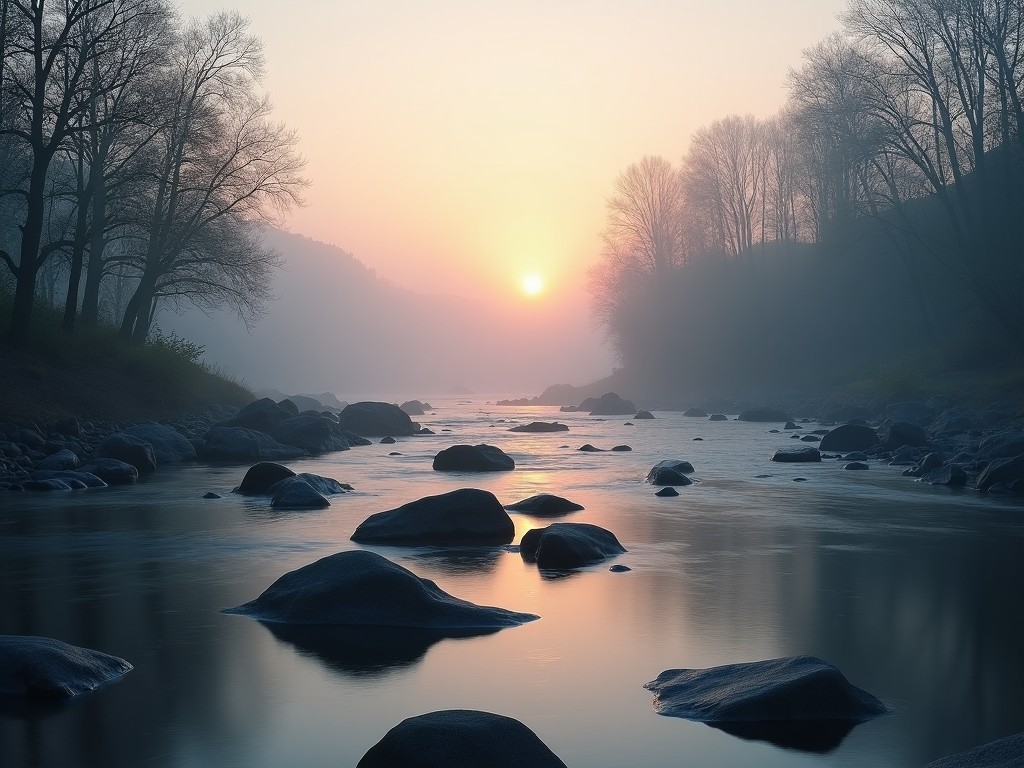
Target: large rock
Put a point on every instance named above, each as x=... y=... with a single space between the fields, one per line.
x=296 y=493
x=610 y=404
x=327 y=486
x=1003 y=753
x=414 y=407
x=1002 y=445
x=799 y=702
x=849 y=437
x=129 y=449
x=545 y=505
x=900 y=433
x=802 y=454
x=569 y=545
x=260 y=477
x=312 y=432
x=473 y=458
x=763 y=415
x=460 y=737
x=643 y=415
x=261 y=415
x=466 y=516
x=87 y=479
x=1002 y=471
x=541 y=426
x=41 y=667
x=372 y=419
x=952 y=422
x=950 y=474
x=718 y=417
x=112 y=471
x=235 y=444
x=361 y=588
x=169 y=445
x=670 y=472
x=61 y=460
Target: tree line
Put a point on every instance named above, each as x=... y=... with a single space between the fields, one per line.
x=907 y=122
x=138 y=156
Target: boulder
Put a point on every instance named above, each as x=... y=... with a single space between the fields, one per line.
x=169 y=445
x=414 y=408
x=1002 y=445
x=1002 y=753
x=667 y=491
x=695 y=412
x=326 y=486
x=849 y=437
x=621 y=448
x=296 y=493
x=460 y=737
x=29 y=437
x=806 y=453
x=41 y=667
x=926 y=464
x=541 y=426
x=465 y=516
x=112 y=471
x=261 y=415
x=569 y=545
x=950 y=474
x=235 y=444
x=763 y=415
x=670 y=472
x=129 y=449
x=87 y=479
x=260 y=477
x=360 y=588
x=811 y=439
x=545 y=505
x=388 y=440
x=856 y=465
x=718 y=417
x=953 y=421
x=311 y=431
x=900 y=433
x=290 y=406
x=1001 y=471
x=789 y=425
x=61 y=460
x=473 y=458
x=610 y=404
x=306 y=403
x=643 y=415
x=588 y=448
x=374 y=419
x=51 y=484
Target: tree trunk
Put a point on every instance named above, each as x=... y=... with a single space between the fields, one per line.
x=94 y=271
x=78 y=248
x=28 y=266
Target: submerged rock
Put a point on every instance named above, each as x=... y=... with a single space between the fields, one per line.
x=465 y=516
x=1002 y=753
x=588 y=448
x=41 y=667
x=296 y=493
x=260 y=477
x=541 y=426
x=460 y=737
x=802 y=454
x=473 y=458
x=621 y=448
x=569 y=545
x=545 y=505
x=856 y=465
x=361 y=588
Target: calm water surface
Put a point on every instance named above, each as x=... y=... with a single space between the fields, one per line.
x=914 y=592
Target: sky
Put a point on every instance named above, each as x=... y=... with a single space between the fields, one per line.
x=456 y=146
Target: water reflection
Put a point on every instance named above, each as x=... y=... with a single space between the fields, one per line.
x=818 y=736
x=458 y=561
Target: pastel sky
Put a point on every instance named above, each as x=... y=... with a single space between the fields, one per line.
x=456 y=145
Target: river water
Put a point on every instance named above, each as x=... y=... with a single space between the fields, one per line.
x=914 y=592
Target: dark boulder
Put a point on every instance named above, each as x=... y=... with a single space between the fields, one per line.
x=414 y=407
x=129 y=449
x=790 y=425
x=695 y=412
x=212 y=495
x=388 y=440
x=41 y=667
x=763 y=415
x=643 y=415
x=465 y=516
x=900 y=433
x=569 y=545
x=621 y=448
x=28 y=437
x=473 y=458
x=952 y=422
x=849 y=437
x=667 y=491
x=374 y=419
x=1002 y=471
x=545 y=505
x=670 y=472
x=361 y=588
x=61 y=460
x=950 y=474
x=1002 y=445
x=810 y=439
x=235 y=444
x=296 y=493
x=610 y=404
x=926 y=464
x=87 y=479
x=327 y=486
x=260 y=477
x=291 y=406
x=169 y=445
x=1002 y=753
x=311 y=431
x=802 y=454
x=718 y=417
x=856 y=465
x=51 y=484
x=261 y=415
x=460 y=737
x=588 y=448
x=112 y=471
x=541 y=426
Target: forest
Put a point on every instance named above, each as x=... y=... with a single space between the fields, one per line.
x=873 y=222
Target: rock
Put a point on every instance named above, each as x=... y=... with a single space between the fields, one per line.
x=790 y=425
x=805 y=453
x=905 y=456
x=374 y=419
x=621 y=448
x=112 y=471
x=41 y=667
x=47 y=485
x=305 y=403
x=70 y=427
x=902 y=433
x=587 y=405
x=326 y=486
x=643 y=415
x=1002 y=471
x=849 y=437
x=460 y=737
x=296 y=493
x=951 y=474
x=718 y=417
x=541 y=426
x=426 y=431
x=951 y=422
x=588 y=448
x=927 y=464
x=361 y=588
x=569 y=545
x=129 y=449
x=466 y=516
x=394 y=453
x=169 y=445
x=30 y=438
x=87 y=479
x=388 y=440
x=762 y=415
x=768 y=700
x=235 y=444
x=261 y=415
x=545 y=505
x=695 y=412
x=290 y=406
x=810 y=439
x=670 y=472
x=854 y=455
x=619 y=568
x=1002 y=445
x=212 y=495
x=61 y=460
x=668 y=490
x=1002 y=753
x=414 y=408
x=610 y=404
x=311 y=431
x=856 y=465
x=259 y=478
x=698 y=439
x=473 y=458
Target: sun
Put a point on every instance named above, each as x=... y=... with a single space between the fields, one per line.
x=532 y=284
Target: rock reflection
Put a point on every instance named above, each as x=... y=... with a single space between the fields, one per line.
x=365 y=652
x=818 y=736
x=460 y=561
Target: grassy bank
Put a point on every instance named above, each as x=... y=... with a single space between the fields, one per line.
x=93 y=375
